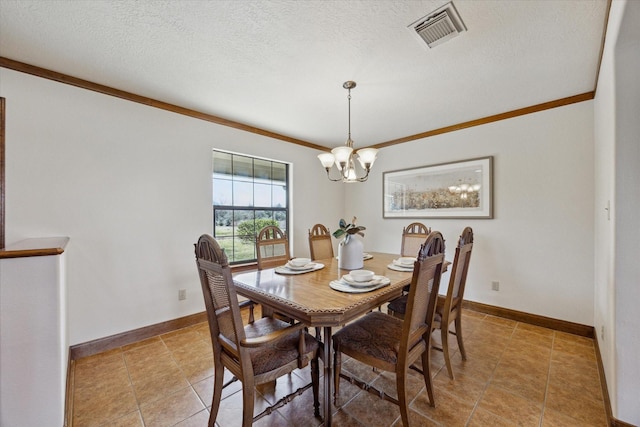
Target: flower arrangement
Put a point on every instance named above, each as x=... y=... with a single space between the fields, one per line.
x=348 y=229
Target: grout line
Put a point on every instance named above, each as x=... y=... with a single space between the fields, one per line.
x=133 y=389
x=486 y=386
x=546 y=388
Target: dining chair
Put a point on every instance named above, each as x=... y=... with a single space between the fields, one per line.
x=257 y=353
x=320 y=244
x=413 y=235
x=242 y=302
x=449 y=307
x=390 y=344
x=272 y=247
x=272 y=250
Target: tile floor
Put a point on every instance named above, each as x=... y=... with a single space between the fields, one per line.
x=515 y=374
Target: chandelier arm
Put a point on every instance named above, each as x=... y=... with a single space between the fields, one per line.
x=355 y=178
x=365 y=177
x=332 y=179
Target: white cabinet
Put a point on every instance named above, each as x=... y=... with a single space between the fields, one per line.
x=33 y=333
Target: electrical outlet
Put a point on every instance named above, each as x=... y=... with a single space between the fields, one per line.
x=182 y=294
x=495 y=285
x=602 y=332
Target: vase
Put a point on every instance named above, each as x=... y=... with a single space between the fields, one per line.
x=350 y=254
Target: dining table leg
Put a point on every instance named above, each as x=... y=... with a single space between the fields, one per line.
x=328 y=377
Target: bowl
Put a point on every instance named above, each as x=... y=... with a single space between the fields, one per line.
x=407 y=260
x=299 y=262
x=361 y=275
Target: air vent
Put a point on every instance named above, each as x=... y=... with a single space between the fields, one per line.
x=439 y=26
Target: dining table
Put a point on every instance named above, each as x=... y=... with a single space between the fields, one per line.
x=307 y=297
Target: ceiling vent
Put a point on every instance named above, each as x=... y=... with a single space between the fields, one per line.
x=439 y=26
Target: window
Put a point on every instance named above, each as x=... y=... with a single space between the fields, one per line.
x=248 y=194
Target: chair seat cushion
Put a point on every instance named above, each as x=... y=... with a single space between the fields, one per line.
x=399 y=305
x=376 y=335
x=280 y=352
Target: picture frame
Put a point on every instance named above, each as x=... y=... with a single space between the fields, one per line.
x=461 y=189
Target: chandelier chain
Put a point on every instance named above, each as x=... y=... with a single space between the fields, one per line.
x=349 y=109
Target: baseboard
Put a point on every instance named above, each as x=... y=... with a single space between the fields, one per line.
x=114 y=341
x=603 y=385
x=532 y=319
x=617 y=423
x=68 y=398
x=611 y=421
x=129 y=337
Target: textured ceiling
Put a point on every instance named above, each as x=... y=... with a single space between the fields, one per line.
x=280 y=65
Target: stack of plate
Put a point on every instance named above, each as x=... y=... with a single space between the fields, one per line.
x=292 y=269
x=309 y=266
x=402 y=264
x=347 y=284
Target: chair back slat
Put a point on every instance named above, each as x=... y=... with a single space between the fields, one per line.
x=413 y=236
x=320 y=245
x=272 y=247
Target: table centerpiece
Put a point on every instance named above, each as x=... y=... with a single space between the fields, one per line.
x=350 y=248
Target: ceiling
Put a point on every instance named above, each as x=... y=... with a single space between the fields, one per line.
x=280 y=65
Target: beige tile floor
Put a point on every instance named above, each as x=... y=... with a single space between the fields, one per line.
x=515 y=374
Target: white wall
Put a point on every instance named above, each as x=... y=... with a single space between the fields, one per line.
x=131 y=186
x=617 y=128
x=604 y=184
x=627 y=248
x=539 y=245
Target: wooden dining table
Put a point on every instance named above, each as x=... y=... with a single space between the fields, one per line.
x=308 y=298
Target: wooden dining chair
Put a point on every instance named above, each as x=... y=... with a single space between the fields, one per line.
x=257 y=353
x=393 y=345
x=272 y=247
x=272 y=250
x=242 y=302
x=320 y=244
x=413 y=235
x=449 y=307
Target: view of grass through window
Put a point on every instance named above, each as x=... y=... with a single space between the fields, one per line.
x=249 y=193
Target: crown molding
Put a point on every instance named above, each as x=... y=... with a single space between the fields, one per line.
x=106 y=90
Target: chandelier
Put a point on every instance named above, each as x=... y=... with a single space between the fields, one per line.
x=464 y=189
x=343 y=156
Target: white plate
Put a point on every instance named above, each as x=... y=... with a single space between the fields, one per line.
x=286 y=270
x=309 y=266
x=341 y=286
x=399 y=268
x=406 y=262
x=377 y=280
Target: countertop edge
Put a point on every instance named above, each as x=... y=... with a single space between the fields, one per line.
x=39 y=246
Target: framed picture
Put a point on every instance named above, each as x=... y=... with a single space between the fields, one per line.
x=448 y=190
